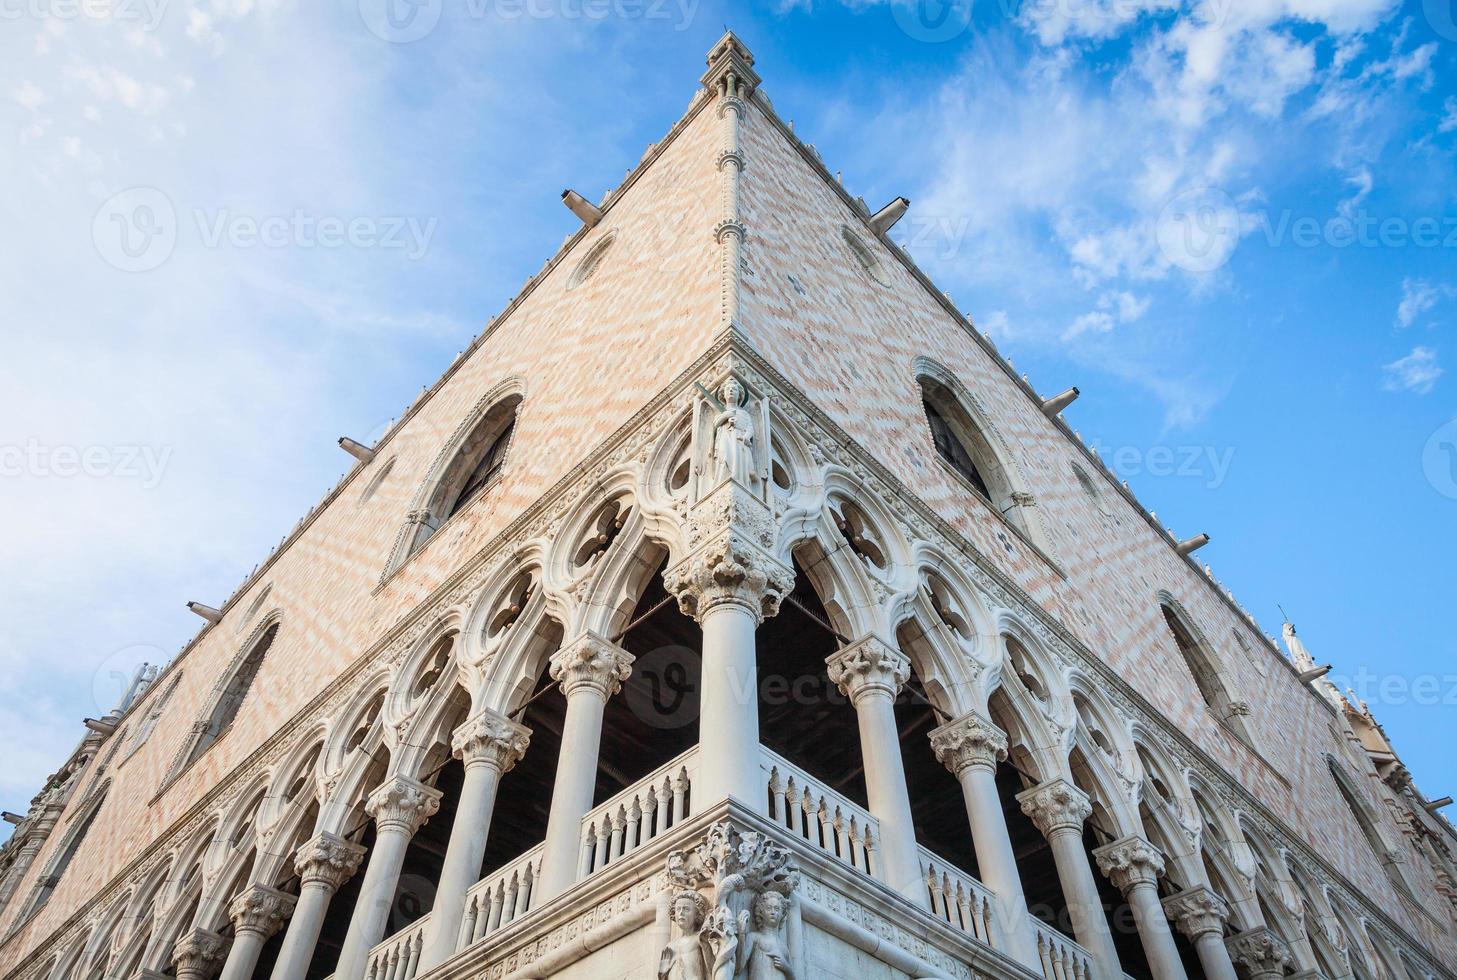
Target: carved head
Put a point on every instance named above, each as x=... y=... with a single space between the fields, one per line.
x=769 y=910
x=688 y=910
x=732 y=393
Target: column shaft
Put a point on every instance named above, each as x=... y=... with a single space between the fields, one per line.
x=1214 y=957
x=571 y=794
x=998 y=864
x=297 y=951
x=243 y=955
x=728 y=721
x=1154 y=932
x=1080 y=891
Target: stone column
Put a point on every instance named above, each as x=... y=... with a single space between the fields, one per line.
x=590 y=670
x=1200 y=915
x=400 y=807
x=256 y=913
x=489 y=744
x=1059 y=809
x=871 y=673
x=199 y=955
x=971 y=746
x=323 y=864
x=1263 y=954
x=730 y=587
x=1134 y=866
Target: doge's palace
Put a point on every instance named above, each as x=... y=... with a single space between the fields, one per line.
x=729 y=609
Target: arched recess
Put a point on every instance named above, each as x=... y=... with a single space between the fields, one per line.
x=464 y=469
x=1368 y=820
x=1209 y=672
x=56 y=867
x=228 y=695
x=967 y=442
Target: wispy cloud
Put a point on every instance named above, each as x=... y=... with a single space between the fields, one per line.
x=1419 y=297
x=1416 y=372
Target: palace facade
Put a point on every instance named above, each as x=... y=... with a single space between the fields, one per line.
x=731 y=609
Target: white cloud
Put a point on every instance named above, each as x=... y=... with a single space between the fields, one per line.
x=28 y=96
x=1095 y=322
x=1419 y=297
x=1416 y=372
x=1448 y=122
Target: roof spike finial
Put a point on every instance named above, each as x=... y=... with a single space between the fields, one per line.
x=730 y=68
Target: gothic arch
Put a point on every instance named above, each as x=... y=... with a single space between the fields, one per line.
x=451 y=473
x=967 y=441
x=1368 y=821
x=229 y=694
x=1210 y=674
x=55 y=868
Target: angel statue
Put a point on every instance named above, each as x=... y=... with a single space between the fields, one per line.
x=733 y=434
x=764 y=953
x=683 y=957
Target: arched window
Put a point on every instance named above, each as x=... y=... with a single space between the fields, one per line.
x=1367 y=820
x=230 y=698
x=486 y=470
x=1205 y=669
x=56 y=868
x=964 y=445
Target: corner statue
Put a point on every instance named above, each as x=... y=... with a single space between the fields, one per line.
x=683 y=958
x=764 y=953
x=733 y=435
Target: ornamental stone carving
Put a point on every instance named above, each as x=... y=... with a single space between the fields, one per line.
x=403 y=805
x=200 y=954
x=591 y=663
x=327 y=859
x=869 y=668
x=1056 y=807
x=729 y=571
x=260 y=910
x=489 y=738
x=1130 y=863
x=1197 y=912
x=970 y=741
x=749 y=928
x=1260 y=952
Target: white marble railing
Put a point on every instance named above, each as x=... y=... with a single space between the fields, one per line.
x=398 y=957
x=638 y=814
x=500 y=899
x=1062 y=959
x=818 y=814
x=959 y=899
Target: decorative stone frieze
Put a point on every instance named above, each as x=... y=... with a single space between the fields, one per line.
x=869 y=668
x=260 y=910
x=327 y=859
x=969 y=741
x=402 y=804
x=489 y=738
x=199 y=954
x=1197 y=911
x=1262 y=953
x=1056 y=807
x=591 y=663
x=1130 y=862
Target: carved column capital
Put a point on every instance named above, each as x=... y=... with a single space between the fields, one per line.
x=869 y=668
x=1130 y=862
x=260 y=910
x=402 y=803
x=591 y=663
x=1056 y=807
x=199 y=954
x=490 y=738
x=327 y=859
x=1259 y=951
x=970 y=741
x=729 y=571
x=1197 y=911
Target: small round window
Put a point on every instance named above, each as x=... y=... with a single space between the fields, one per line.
x=589 y=265
x=865 y=255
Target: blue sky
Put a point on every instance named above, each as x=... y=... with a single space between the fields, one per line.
x=1232 y=224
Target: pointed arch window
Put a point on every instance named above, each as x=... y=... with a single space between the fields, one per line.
x=1366 y=818
x=1208 y=677
x=58 y=864
x=486 y=470
x=951 y=449
x=231 y=696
